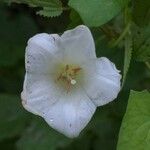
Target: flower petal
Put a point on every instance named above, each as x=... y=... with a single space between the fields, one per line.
x=78 y=44
x=68 y=113
x=71 y=113
x=42 y=52
x=39 y=93
x=102 y=81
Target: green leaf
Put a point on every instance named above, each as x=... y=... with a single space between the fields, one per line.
x=50 y=12
x=134 y=132
x=40 y=136
x=13 y=117
x=97 y=12
x=51 y=8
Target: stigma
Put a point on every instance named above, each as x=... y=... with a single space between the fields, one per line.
x=73 y=82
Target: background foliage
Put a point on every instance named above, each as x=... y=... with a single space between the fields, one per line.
x=121 y=29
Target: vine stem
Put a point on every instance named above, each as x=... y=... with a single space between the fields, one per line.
x=148 y=65
x=123 y=34
x=65 y=8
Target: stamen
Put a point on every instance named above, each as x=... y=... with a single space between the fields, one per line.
x=68 y=76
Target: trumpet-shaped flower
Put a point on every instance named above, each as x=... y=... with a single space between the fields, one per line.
x=65 y=82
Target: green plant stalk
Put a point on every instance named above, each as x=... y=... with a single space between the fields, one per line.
x=128 y=44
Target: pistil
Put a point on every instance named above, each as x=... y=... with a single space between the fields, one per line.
x=68 y=76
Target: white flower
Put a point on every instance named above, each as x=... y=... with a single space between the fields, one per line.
x=65 y=82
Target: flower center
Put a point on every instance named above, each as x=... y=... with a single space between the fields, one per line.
x=68 y=76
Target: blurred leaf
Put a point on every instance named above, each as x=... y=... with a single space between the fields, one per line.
x=75 y=19
x=141 y=12
x=13 y=119
x=141 y=37
x=97 y=12
x=40 y=136
x=14 y=31
x=143 y=53
x=8 y=144
x=83 y=142
x=138 y=77
x=105 y=126
x=103 y=50
x=51 y=8
x=134 y=132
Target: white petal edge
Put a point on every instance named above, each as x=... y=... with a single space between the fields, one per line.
x=78 y=44
x=42 y=52
x=44 y=41
x=102 y=82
